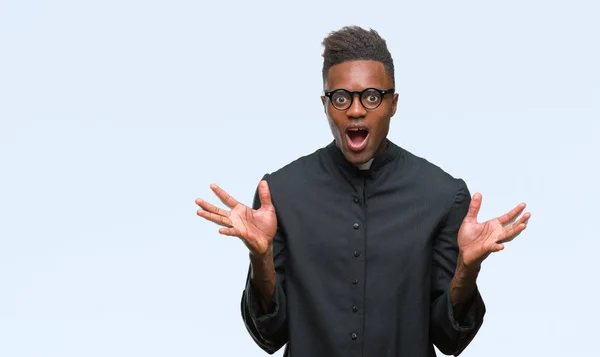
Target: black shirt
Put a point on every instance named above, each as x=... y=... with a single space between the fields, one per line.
x=364 y=259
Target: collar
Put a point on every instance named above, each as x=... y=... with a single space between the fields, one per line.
x=378 y=162
x=366 y=165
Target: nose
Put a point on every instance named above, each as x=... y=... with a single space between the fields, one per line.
x=356 y=110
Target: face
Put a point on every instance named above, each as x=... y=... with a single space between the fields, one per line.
x=360 y=133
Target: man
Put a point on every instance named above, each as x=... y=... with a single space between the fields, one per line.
x=362 y=248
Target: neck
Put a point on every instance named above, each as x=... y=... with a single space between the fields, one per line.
x=383 y=147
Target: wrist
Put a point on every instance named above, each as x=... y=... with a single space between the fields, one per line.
x=262 y=264
x=263 y=255
x=463 y=285
x=263 y=277
x=466 y=271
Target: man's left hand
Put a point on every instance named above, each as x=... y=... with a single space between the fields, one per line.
x=476 y=241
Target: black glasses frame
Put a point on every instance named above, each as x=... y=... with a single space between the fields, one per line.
x=383 y=92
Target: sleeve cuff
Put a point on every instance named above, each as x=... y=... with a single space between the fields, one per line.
x=466 y=328
x=468 y=321
x=271 y=321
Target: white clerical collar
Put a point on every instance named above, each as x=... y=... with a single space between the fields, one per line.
x=366 y=165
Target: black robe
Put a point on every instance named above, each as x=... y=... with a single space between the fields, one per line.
x=364 y=259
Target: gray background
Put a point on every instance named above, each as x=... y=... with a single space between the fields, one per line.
x=116 y=115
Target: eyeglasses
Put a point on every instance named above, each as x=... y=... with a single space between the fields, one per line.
x=371 y=98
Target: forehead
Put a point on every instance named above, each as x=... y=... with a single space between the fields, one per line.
x=358 y=75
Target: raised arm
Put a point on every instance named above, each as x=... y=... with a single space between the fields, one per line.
x=452 y=330
x=263 y=302
x=461 y=247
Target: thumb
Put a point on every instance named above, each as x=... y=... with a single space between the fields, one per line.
x=474 y=207
x=265 y=195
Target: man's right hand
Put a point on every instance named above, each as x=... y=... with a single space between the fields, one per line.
x=256 y=228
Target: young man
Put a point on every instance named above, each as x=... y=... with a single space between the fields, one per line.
x=362 y=248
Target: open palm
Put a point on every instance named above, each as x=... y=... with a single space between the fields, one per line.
x=476 y=241
x=256 y=228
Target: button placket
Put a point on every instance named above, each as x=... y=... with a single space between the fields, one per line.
x=357 y=240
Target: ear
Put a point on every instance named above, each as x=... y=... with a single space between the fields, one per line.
x=324 y=101
x=394 y=103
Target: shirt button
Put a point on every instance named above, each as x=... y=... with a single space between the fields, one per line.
x=356 y=225
x=357 y=253
x=354 y=336
x=355 y=308
x=354 y=281
x=355 y=199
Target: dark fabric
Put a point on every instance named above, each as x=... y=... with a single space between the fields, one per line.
x=364 y=259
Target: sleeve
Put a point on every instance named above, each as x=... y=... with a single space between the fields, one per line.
x=450 y=335
x=267 y=329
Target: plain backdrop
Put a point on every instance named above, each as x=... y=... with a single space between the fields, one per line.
x=116 y=115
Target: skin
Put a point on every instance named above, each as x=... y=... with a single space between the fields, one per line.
x=356 y=76
x=476 y=241
x=257 y=228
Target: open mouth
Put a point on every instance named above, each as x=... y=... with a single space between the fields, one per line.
x=357 y=137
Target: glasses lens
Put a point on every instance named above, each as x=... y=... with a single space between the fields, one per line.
x=341 y=100
x=371 y=99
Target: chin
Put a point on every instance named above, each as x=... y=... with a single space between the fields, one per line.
x=358 y=158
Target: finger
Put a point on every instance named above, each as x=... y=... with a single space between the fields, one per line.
x=474 y=207
x=212 y=209
x=512 y=221
x=265 y=195
x=512 y=233
x=232 y=232
x=215 y=218
x=497 y=247
x=505 y=219
x=224 y=196
x=528 y=215
x=524 y=218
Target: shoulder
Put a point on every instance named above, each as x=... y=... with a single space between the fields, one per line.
x=295 y=175
x=296 y=168
x=433 y=179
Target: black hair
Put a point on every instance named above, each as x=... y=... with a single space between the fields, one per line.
x=352 y=43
